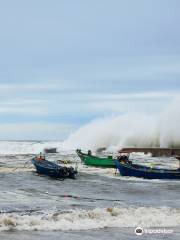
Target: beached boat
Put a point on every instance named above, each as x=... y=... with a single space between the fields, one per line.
x=52 y=169
x=90 y=160
x=127 y=168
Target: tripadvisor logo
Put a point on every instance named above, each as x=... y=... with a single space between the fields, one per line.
x=139 y=231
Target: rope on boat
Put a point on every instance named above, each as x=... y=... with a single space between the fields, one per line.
x=64 y=161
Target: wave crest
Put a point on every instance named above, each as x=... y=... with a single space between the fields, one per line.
x=92 y=219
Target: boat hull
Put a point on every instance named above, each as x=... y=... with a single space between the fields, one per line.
x=91 y=160
x=146 y=172
x=53 y=170
x=50 y=150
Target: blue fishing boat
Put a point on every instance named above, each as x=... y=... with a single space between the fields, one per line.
x=127 y=168
x=52 y=169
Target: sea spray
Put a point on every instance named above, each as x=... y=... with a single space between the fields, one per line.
x=129 y=130
x=111 y=132
x=170 y=125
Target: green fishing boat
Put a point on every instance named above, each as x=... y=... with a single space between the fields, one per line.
x=90 y=160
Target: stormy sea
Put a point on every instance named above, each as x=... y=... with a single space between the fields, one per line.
x=98 y=204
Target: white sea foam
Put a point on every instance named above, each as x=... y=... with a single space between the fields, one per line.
x=133 y=130
x=26 y=147
x=92 y=219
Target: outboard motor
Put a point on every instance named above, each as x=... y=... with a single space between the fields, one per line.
x=124 y=159
x=64 y=172
x=72 y=172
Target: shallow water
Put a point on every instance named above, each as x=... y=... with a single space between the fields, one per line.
x=98 y=204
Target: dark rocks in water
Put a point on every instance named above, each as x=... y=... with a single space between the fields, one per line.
x=50 y=150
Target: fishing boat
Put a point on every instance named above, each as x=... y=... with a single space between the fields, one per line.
x=127 y=168
x=50 y=150
x=90 y=160
x=52 y=169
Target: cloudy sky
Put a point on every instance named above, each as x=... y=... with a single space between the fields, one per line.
x=64 y=63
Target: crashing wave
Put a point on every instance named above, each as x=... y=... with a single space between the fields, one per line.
x=130 y=130
x=91 y=219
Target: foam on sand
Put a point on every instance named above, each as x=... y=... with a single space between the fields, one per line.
x=91 y=219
